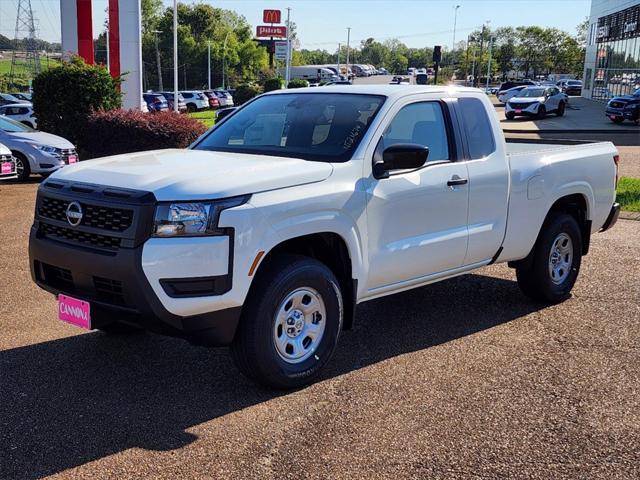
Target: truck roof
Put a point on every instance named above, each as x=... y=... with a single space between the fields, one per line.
x=386 y=90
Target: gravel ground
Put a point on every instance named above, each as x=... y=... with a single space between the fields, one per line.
x=461 y=379
x=630 y=161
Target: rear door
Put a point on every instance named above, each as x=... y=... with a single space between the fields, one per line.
x=487 y=164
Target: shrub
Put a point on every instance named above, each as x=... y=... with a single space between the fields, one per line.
x=298 y=83
x=125 y=131
x=245 y=92
x=64 y=96
x=273 y=84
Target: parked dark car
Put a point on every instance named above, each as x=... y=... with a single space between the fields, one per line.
x=572 y=87
x=214 y=101
x=156 y=102
x=504 y=86
x=626 y=107
x=182 y=105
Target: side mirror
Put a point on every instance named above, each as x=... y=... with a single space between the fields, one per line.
x=225 y=112
x=402 y=156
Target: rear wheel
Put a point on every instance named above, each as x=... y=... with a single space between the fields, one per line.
x=560 y=111
x=291 y=323
x=191 y=107
x=617 y=120
x=23 y=170
x=555 y=265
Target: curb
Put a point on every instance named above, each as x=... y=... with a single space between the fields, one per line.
x=629 y=215
x=571 y=132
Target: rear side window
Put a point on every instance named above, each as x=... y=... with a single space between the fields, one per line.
x=477 y=127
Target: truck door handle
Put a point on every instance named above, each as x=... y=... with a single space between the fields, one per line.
x=457 y=181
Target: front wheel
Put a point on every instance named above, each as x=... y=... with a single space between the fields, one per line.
x=291 y=323
x=510 y=115
x=617 y=120
x=560 y=111
x=556 y=260
x=542 y=112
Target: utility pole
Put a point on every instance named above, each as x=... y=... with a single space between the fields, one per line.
x=287 y=74
x=473 y=68
x=175 y=56
x=209 y=65
x=339 y=73
x=348 y=40
x=475 y=77
x=491 y=40
x=158 y=64
x=25 y=24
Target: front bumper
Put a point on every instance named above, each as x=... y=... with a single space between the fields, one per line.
x=173 y=286
x=525 y=110
x=612 y=218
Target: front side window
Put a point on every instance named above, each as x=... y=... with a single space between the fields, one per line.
x=311 y=126
x=477 y=127
x=422 y=123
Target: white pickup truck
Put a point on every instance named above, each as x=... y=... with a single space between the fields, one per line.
x=268 y=231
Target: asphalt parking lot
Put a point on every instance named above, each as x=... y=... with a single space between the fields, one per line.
x=461 y=379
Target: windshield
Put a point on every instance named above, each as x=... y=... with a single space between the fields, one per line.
x=532 y=92
x=574 y=82
x=11 y=126
x=313 y=126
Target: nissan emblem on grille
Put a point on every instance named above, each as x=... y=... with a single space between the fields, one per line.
x=74 y=214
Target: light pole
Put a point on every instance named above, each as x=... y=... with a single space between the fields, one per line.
x=160 y=89
x=224 y=56
x=339 y=72
x=348 y=39
x=209 y=65
x=455 y=20
x=175 y=56
x=287 y=73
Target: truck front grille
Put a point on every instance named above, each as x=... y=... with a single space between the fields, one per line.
x=55 y=232
x=102 y=218
x=617 y=104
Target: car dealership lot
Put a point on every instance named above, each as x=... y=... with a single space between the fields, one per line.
x=465 y=378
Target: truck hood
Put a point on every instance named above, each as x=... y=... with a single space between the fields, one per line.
x=196 y=174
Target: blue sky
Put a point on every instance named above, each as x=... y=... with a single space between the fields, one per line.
x=323 y=23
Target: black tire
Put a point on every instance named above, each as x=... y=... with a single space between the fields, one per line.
x=617 y=120
x=191 y=107
x=22 y=166
x=560 y=111
x=542 y=112
x=536 y=281
x=118 y=328
x=510 y=115
x=254 y=350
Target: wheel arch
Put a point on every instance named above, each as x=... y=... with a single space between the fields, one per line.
x=331 y=249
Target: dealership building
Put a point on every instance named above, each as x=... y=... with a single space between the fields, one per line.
x=612 y=61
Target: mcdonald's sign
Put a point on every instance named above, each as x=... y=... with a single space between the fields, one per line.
x=271 y=16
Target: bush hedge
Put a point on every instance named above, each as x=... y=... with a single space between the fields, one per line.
x=298 y=83
x=64 y=96
x=273 y=84
x=245 y=92
x=123 y=131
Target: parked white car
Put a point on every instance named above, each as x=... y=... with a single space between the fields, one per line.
x=269 y=230
x=35 y=151
x=7 y=164
x=507 y=95
x=195 y=100
x=20 y=112
x=536 y=102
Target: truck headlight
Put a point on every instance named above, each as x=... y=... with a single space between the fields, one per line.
x=192 y=218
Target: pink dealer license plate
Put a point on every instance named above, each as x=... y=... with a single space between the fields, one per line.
x=74 y=311
x=72 y=159
x=7 y=167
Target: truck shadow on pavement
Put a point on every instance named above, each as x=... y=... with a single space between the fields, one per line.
x=67 y=402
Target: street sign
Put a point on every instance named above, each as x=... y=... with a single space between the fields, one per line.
x=281 y=50
x=271 y=31
x=271 y=16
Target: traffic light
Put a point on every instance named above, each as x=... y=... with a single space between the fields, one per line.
x=437 y=54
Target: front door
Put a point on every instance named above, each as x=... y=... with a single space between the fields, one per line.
x=417 y=220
